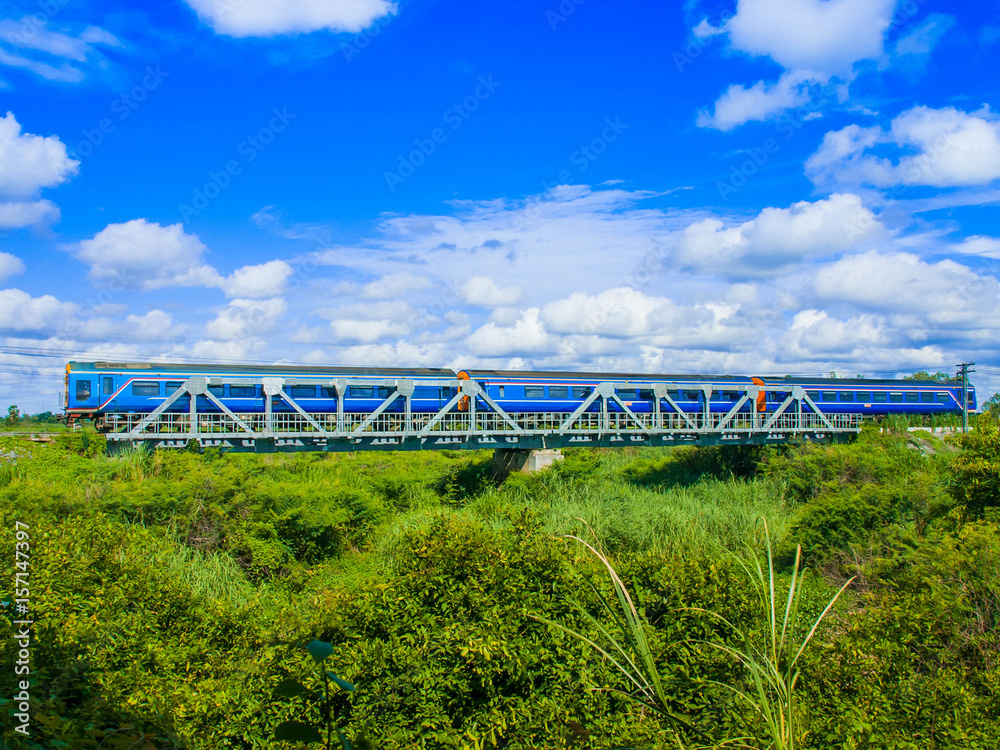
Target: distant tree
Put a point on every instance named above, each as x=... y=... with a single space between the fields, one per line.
x=833 y=374
x=13 y=416
x=992 y=405
x=924 y=375
x=46 y=417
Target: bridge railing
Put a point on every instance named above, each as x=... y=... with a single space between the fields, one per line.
x=470 y=413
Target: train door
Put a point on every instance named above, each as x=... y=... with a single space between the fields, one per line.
x=109 y=396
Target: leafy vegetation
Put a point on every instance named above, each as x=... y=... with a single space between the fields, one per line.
x=172 y=593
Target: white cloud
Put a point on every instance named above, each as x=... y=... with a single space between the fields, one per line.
x=22 y=311
x=740 y=104
x=10 y=265
x=823 y=36
x=146 y=255
x=953 y=148
x=53 y=55
x=242 y=18
x=155 y=323
x=776 y=237
x=29 y=162
x=482 y=291
x=527 y=335
x=366 y=331
x=901 y=282
x=395 y=285
x=246 y=319
x=263 y=280
x=984 y=247
x=925 y=37
x=18 y=214
x=814 y=331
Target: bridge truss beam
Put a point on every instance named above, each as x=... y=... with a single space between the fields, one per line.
x=471 y=419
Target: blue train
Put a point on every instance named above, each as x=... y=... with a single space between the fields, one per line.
x=95 y=390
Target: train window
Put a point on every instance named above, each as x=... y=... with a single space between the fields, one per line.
x=628 y=393
x=446 y=393
x=879 y=397
x=558 y=391
x=581 y=391
x=82 y=390
x=692 y=395
x=814 y=395
x=646 y=394
x=971 y=397
x=847 y=395
x=328 y=392
x=912 y=397
x=863 y=396
x=145 y=388
x=926 y=397
x=502 y=391
x=896 y=398
x=216 y=390
x=943 y=398
x=534 y=391
x=175 y=386
x=298 y=391
x=242 y=391
x=366 y=391
x=722 y=396
x=108 y=385
x=829 y=395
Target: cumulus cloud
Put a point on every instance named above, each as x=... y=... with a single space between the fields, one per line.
x=395 y=285
x=953 y=148
x=742 y=104
x=776 y=237
x=19 y=310
x=10 y=265
x=813 y=40
x=145 y=255
x=18 y=214
x=263 y=280
x=273 y=17
x=822 y=36
x=29 y=163
x=482 y=291
x=902 y=282
x=246 y=319
x=527 y=335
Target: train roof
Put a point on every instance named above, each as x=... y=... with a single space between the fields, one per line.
x=605 y=376
x=202 y=368
x=857 y=382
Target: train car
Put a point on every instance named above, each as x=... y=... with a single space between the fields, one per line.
x=875 y=397
x=96 y=389
x=521 y=391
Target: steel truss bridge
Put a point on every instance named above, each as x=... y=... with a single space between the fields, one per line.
x=470 y=420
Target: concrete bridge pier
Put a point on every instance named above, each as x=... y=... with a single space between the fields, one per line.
x=506 y=461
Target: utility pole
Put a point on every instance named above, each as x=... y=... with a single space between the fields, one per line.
x=964 y=369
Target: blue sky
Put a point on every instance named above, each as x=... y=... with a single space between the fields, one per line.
x=769 y=186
